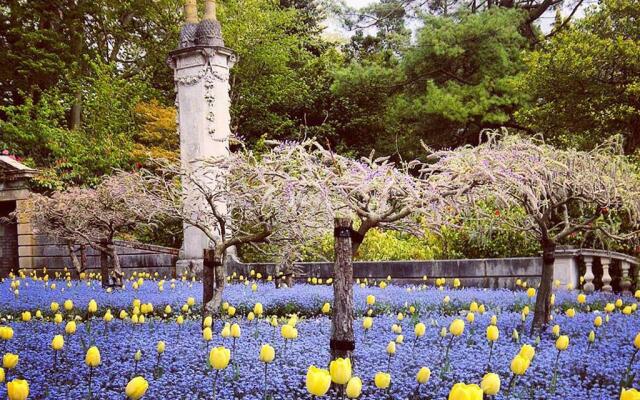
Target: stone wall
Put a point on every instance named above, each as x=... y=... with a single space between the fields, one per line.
x=490 y=273
x=134 y=256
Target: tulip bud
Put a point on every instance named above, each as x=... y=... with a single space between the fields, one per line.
x=326 y=308
x=57 y=343
x=160 y=347
x=136 y=388
x=92 y=358
x=367 y=322
x=219 y=357
x=18 y=389
x=457 y=327
x=354 y=388
x=592 y=337
x=257 y=309
x=419 y=329
x=519 y=364
x=318 y=381
x=382 y=380
x=391 y=348
x=492 y=333
x=10 y=360
x=490 y=384
x=527 y=351
x=68 y=305
x=340 y=370
x=423 y=375
x=137 y=356
x=494 y=320
x=235 y=331
x=70 y=328
x=471 y=317
x=92 y=308
x=636 y=341
x=267 y=353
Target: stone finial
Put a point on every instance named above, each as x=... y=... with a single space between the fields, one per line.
x=188 y=31
x=191 y=12
x=210 y=10
x=209 y=32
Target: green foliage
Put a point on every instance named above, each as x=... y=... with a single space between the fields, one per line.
x=585 y=80
x=456 y=80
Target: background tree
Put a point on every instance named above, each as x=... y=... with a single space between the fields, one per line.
x=562 y=192
x=95 y=218
x=584 y=80
x=457 y=80
x=243 y=199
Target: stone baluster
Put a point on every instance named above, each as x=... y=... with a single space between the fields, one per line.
x=606 y=277
x=588 y=286
x=625 y=282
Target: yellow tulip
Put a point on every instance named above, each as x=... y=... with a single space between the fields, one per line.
x=231 y=311
x=527 y=351
x=592 y=337
x=473 y=307
x=423 y=375
x=367 y=322
x=391 y=348
x=582 y=298
x=371 y=299
x=267 y=353
x=531 y=292
x=597 y=322
x=70 y=328
x=462 y=391
x=92 y=358
x=191 y=301
x=326 y=308
x=136 y=388
x=562 y=343
x=354 y=388
x=2 y=375
x=318 y=381
x=419 y=329
x=235 y=331
x=10 y=360
x=629 y=394
x=471 y=317
x=490 y=384
x=57 y=343
x=636 y=341
x=340 y=370
x=519 y=364
x=219 y=357
x=26 y=316
x=18 y=389
x=571 y=313
x=457 y=327
x=55 y=306
x=494 y=320
x=92 y=308
x=160 y=347
x=68 y=305
x=382 y=380
x=556 y=330
x=257 y=309
x=492 y=333
x=610 y=307
x=619 y=303
x=207 y=335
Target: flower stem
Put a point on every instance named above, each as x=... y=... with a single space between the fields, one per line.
x=215 y=380
x=264 y=393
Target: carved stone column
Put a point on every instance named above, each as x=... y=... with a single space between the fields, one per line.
x=588 y=286
x=606 y=277
x=201 y=74
x=625 y=282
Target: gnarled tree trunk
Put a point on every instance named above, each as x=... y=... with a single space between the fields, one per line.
x=342 y=341
x=543 y=299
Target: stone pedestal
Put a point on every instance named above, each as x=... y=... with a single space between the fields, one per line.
x=201 y=75
x=565 y=269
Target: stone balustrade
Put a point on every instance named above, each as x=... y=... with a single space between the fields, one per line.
x=567 y=269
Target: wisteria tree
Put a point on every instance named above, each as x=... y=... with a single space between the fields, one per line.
x=249 y=198
x=562 y=192
x=89 y=217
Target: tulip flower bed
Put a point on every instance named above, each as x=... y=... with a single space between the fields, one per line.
x=585 y=370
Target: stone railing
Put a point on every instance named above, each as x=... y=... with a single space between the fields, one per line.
x=598 y=265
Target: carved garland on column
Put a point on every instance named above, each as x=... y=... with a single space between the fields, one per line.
x=211 y=79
